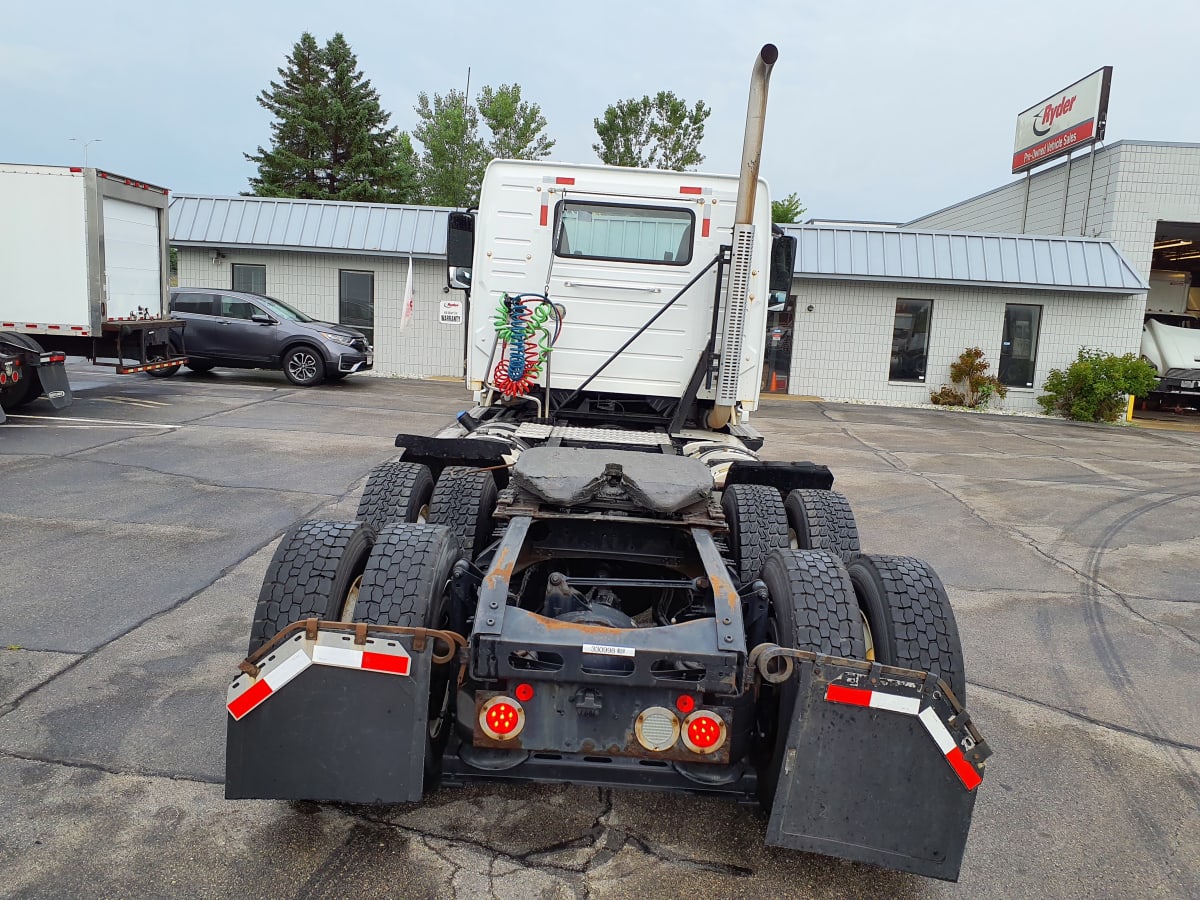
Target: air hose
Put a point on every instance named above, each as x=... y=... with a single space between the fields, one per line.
x=522 y=325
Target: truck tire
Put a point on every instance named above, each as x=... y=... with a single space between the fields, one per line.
x=407 y=582
x=316 y=571
x=812 y=607
x=24 y=391
x=29 y=388
x=464 y=499
x=200 y=365
x=757 y=525
x=821 y=520
x=304 y=366
x=908 y=616
x=396 y=491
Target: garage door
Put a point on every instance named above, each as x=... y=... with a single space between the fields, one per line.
x=131 y=258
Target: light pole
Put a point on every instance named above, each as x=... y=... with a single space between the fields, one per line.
x=85 y=146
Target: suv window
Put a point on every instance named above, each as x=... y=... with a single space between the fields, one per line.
x=237 y=308
x=200 y=304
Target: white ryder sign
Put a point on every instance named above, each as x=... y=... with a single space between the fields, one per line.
x=1067 y=120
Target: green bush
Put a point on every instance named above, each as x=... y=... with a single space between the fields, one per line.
x=1094 y=387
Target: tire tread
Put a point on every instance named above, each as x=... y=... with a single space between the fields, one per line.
x=390 y=491
x=301 y=576
x=924 y=631
x=757 y=525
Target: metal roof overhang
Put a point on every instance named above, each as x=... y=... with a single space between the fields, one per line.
x=959 y=259
x=949 y=282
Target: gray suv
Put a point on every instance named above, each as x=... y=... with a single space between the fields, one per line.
x=252 y=331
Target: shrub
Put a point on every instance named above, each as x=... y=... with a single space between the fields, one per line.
x=948 y=396
x=1094 y=387
x=975 y=386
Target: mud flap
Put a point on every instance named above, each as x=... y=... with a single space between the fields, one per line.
x=326 y=719
x=877 y=767
x=55 y=385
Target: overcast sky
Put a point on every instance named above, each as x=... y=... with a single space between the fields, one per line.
x=878 y=110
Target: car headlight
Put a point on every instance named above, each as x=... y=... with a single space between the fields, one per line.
x=337 y=338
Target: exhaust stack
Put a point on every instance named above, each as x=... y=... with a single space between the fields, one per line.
x=743 y=242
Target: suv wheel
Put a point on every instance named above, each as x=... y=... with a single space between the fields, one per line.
x=304 y=366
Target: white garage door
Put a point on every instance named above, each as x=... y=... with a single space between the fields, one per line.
x=131 y=258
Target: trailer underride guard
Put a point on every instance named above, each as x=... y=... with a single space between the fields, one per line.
x=590 y=577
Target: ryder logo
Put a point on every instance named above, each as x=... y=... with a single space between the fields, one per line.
x=1043 y=122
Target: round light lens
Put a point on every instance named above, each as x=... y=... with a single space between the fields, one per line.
x=685 y=703
x=703 y=732
x=501 y=718
x=657 y=729
x=524 y=692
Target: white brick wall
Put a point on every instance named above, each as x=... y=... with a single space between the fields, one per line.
x=842 y=349
x=309 y=281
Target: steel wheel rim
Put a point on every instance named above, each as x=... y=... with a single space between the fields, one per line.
x=868 y=637
x=351 y=601
x=303 y=366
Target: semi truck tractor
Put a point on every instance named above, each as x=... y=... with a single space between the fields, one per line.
x=591 y=577
x=83 y=272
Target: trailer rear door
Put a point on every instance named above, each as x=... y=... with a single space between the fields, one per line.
x=132 y=256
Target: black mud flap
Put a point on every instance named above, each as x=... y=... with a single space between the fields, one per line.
x=55 y=385
x=878 y=768
x=326 y=719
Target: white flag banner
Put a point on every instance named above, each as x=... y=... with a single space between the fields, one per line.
x=406 y=313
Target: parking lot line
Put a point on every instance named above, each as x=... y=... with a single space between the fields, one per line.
x=85 y=423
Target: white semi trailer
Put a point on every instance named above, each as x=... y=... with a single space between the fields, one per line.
x=83 y=272
x=591 y=578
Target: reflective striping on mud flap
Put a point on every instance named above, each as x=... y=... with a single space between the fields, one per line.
x=911 y=706
x=245 y=693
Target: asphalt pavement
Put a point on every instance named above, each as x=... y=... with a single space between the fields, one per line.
x=138 y=522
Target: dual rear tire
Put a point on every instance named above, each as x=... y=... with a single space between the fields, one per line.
x=346 y=572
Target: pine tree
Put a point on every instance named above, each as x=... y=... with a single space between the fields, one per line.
x=330 y=138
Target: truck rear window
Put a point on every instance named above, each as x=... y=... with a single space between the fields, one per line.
x=644 y=234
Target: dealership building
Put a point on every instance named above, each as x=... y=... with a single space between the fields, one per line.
x=1066 y=257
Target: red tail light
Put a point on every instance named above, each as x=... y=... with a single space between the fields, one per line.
x=704 y=732
x=501 y=718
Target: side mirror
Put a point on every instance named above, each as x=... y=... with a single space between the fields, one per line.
x=783 y=262
x=460 y=249
x=263 y=319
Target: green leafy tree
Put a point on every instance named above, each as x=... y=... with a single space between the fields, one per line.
x=1094 y=387
x=329 y=137
x=516 y=125
x=788 y=210
x=452 y=161
x=662 y=132
x=454 y=153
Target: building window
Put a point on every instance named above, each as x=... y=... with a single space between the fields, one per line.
x=1018 y=348
x=249 y=278
x=910 y=340
x=356 y=301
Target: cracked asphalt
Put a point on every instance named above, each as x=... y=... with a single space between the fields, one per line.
x=138 y=524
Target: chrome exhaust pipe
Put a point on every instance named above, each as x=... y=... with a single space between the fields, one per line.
x=756 y=118
x=736 y=300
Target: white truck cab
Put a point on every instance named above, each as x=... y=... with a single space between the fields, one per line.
x=609 y=248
